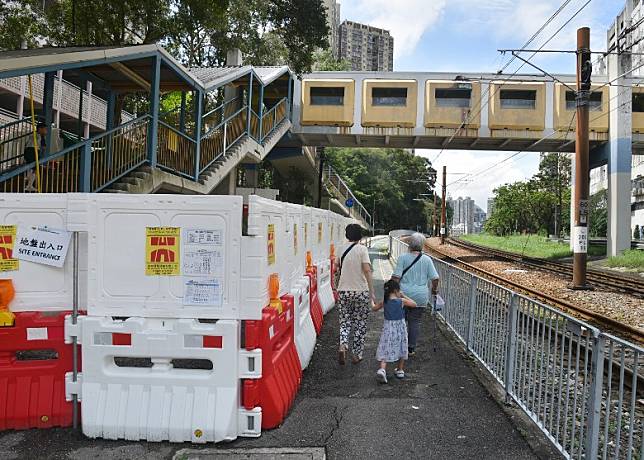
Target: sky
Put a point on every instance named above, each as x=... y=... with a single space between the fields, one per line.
x=464 y=35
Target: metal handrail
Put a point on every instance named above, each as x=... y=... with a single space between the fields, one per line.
x=331 y=174
x=176 y=131
x=220 y=106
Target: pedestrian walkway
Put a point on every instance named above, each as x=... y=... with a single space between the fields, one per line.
x=440 y=411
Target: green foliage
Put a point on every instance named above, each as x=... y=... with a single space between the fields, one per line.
x=388 y=181
x=533 y=206
x=598 y=218
x=632 y=258
x=198 y=32
x=323 y=60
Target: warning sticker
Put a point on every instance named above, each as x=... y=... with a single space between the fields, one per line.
x=271 y=244
x=319 y=232
x=162 y=251
x=306 y=234
x=7 y=240
x=295 y=239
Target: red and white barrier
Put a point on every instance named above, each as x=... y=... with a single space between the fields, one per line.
x=325 y=291
x=164 y=379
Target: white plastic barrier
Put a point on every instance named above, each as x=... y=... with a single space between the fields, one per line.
x=174 y=256
x=38 y=287
x=325 y=291
x=309 y=231
x=266 y=250
x=157 y=402
x=297 y=250
x=320 y=243
x=305 y=335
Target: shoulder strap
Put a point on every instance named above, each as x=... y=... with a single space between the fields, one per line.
x=411 y=265
x=346 y=251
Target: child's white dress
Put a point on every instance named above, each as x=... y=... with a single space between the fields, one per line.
x=393 y=340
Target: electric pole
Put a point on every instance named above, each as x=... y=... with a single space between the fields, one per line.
x=581 y=189
x=443 y=230
x=434 y=216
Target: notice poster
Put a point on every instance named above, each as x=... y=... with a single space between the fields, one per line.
x=270 y=246
x=202 y=267
x=206 y=292
x=7 y=241
x=319 y=232
x=162 y=251
x=42 y=245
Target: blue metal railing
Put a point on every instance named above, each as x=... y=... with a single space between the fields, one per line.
x=91 y=165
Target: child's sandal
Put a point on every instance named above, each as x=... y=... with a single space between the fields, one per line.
x=399 y=373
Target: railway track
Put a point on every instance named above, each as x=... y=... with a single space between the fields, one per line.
x=624 y=284
x=617 y=327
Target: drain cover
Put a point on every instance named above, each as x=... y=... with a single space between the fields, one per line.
x=278 y=453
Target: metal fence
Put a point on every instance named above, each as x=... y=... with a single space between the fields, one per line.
x=341 y=190
x=579 y=385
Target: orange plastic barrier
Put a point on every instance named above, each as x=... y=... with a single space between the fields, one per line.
x=281 y=369
x=33 y=362
x=316 y=308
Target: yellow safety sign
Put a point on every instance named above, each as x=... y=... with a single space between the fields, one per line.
x=295 y=239
x=162 y=251
x=319 y=232
x=7 y=240
x=306 y=234
x=271 y=244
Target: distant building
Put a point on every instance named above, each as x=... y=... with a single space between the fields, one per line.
x=467 y=217
x=490 y=205
x=367 y=48
x=333 y=21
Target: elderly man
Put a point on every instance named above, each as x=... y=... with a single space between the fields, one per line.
x=414 y=271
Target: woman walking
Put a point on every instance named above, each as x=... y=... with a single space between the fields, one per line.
x=356 y=295
x=414 y=271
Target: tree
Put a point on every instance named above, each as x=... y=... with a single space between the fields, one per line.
x=598 y=214
x=197 y=32
x=323 y=60
x=636 y=232
x=392 y=179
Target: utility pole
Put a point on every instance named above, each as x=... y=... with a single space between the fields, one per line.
x=320 y=177
x=434 y=216
x=581 y=190
x=443 y=230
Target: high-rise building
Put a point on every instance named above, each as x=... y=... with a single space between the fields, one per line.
x=628 y=30
x=366 y=47
x=467 y=217
x=490 y=205
x=333 y=21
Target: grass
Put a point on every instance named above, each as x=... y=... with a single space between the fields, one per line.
x=632 y=258
x=528 y=245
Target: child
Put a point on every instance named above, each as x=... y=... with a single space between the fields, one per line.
x=393 y=341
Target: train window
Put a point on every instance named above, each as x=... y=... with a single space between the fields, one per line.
x=327 y=95
x=518 y=98
x=396 y=97
x=638 y=102
x=453 y=97
x=595 y=101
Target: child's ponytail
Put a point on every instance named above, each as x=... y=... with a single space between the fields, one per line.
x=391 y=286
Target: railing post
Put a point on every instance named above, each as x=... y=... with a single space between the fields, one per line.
x=48 y=109
x=289 y=96
x=511 y=351
x=261 y=113
x=198 y=122
x=225 y=135
x=109 y=124
x=250 y=104
x=85 y=178
x=154 y=112
x=470 y=322
x=595 y=396
x=182 y=113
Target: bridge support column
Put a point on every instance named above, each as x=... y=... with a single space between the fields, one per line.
x=619 y=156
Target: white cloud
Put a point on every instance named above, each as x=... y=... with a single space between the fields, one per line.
x=480 y=187
x=407 y=20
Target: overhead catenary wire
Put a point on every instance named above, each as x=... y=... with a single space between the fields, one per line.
x=482 y=105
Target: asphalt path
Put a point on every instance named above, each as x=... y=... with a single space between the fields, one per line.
x=439 y=411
